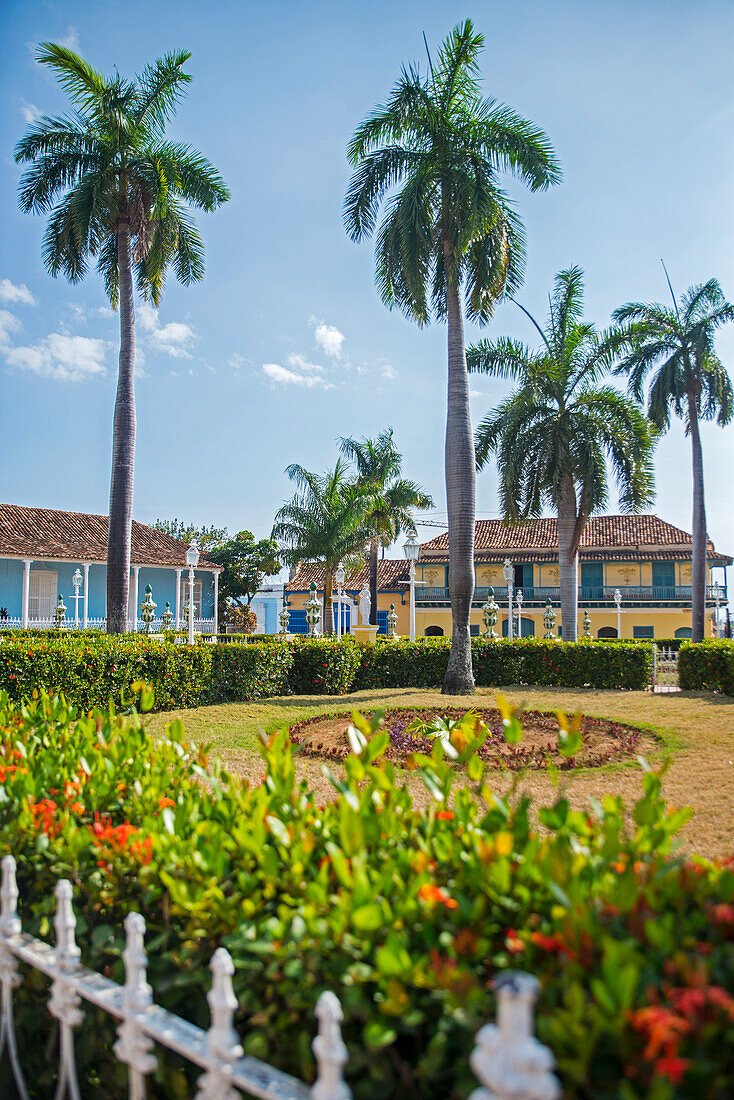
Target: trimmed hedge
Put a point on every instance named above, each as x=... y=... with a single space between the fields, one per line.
x=89 y=671
x=707 y=666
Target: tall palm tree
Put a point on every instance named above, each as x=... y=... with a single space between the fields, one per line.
x=325 y=522
x=378 y=464
x=117 y=190
x=449 y=241
x=689 y=381
x=555 y=434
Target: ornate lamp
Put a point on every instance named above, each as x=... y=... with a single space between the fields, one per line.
x=76 y=580
x=586 y=625
x=489 y=614
x=518 y=600
x=340 y=577
x=167 y=617
x=313 y=611
x=60 y=611
x=412 y=550
x=192 y=560
x=549 y=620
x=618 y=602
x=392 y=621
x=508 y=572
x=147 y=608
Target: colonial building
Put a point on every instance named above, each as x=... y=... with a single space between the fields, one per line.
x=42 y=548
x=645 y=558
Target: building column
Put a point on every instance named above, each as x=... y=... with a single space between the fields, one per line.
x=26 y=592
x=178 y=598
x=136 y=571
x=216 y=603
x=85 y=619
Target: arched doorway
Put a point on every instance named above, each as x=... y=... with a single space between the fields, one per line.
x=527 y=628
x=684 y=632
x=434 y=632
x=607 y=632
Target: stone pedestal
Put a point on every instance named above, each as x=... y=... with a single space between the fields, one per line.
x=366 y=634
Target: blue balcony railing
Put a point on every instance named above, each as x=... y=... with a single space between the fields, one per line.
x=431 y=596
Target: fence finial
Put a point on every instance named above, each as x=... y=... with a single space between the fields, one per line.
x=9 y=919
x=133 y=1046
x=66 y=951
x=330 y=1051
x=510 y=1063
x=222 y=1041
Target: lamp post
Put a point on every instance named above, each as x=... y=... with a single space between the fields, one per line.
x=717 y=631
x=618 y=602
x=518 y=601
x=76 y=580
x=192 y=560
x=508 y=573
x=411 y=551
x=339 y=576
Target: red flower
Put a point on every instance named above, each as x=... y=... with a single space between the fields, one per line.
x=671 y=1067
x=431 y=893
x=445 y=815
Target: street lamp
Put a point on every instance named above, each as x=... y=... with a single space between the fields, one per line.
x=508 y=572
x=411 y=551
x=518 y=601
x=192 y=560
x=76 y=580
x=340 y=576
x=618 y=602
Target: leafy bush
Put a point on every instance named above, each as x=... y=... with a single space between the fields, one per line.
x=406 y=910
x=324 y=667
x=707 y=666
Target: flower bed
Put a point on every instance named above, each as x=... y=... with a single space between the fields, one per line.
x=602 y=741
x=707 y=666
x=406 y=910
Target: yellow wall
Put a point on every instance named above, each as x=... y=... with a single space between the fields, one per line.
x=664 y=622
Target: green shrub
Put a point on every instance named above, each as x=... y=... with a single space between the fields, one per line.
x=406 y=910
x=323 y=667
x=242 y=672
x=707 y=666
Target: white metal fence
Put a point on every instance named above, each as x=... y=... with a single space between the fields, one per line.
x=665 y=669
x=201 y=626
x=508 y=1061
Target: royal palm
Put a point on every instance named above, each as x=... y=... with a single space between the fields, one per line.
x=378 y=464
x=449 y=242
x=556 y=435
x=677 y=346
x=117 y=191
x=326 y=522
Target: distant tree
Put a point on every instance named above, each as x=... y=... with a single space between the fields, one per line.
x=206 y=537
x=450 y=240
x=677 y=346
x=378 y=464
x=555 y=434
x=246 y=563
x=118 y=190
x=325 y=522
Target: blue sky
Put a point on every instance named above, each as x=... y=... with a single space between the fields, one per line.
x=285 y=344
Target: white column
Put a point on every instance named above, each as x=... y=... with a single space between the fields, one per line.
x=136 y=570
x=178 y=598
x=26 y=591
x=216 y=604
x=412 y=601
x=85 y=616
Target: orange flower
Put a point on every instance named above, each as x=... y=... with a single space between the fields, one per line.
x=77 y=808
x=431 y=893
x=512 y=942
x=445 y=815
x=43 y=813
x=662 y=1028
x=166 y=802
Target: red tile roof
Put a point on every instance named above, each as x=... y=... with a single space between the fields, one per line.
x=46 y=533
x=392 y=573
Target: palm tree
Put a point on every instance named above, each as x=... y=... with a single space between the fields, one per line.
x=554 y=435
x=378 y=464
x=449 y=235
x=326 y=522
x=117 y=190
x=690 y=382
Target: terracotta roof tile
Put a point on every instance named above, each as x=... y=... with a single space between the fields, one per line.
x=391 y=574
x=40 y=533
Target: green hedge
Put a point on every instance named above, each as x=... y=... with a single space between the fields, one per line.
x=91 y=670
x=707 y=666
x=406 y=909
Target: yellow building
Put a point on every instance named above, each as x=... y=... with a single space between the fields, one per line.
x=647 y=559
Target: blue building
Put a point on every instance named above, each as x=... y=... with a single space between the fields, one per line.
x=41 y=549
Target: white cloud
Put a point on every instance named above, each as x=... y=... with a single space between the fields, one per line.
x=238 y=361
x=285 y=377
x=29 y=111
x=9 y=323
x=389 y=372
x=61 y=357
x=15 y=294
x=173 y=338
x=70 y=39
x=329 y=339
x=300 y=364
x=476 y=393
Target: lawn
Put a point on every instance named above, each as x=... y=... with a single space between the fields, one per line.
x=695 y=729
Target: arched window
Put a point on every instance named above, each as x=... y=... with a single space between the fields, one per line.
x=434 y=632
x=684 y=632
x=527 y=628
x=607 y=632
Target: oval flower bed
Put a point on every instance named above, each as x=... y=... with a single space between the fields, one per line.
x=603 y=741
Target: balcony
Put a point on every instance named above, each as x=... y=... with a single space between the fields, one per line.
x=589 y=596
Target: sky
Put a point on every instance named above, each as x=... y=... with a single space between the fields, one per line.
x=285 y=344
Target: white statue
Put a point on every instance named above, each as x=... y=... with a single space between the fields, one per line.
x=365 y=604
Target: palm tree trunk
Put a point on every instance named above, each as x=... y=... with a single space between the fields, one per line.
x=374 y=549
x=123 y=451
x=460 y=501
x=698 y=570
x=568 y=567
x=328 y=623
